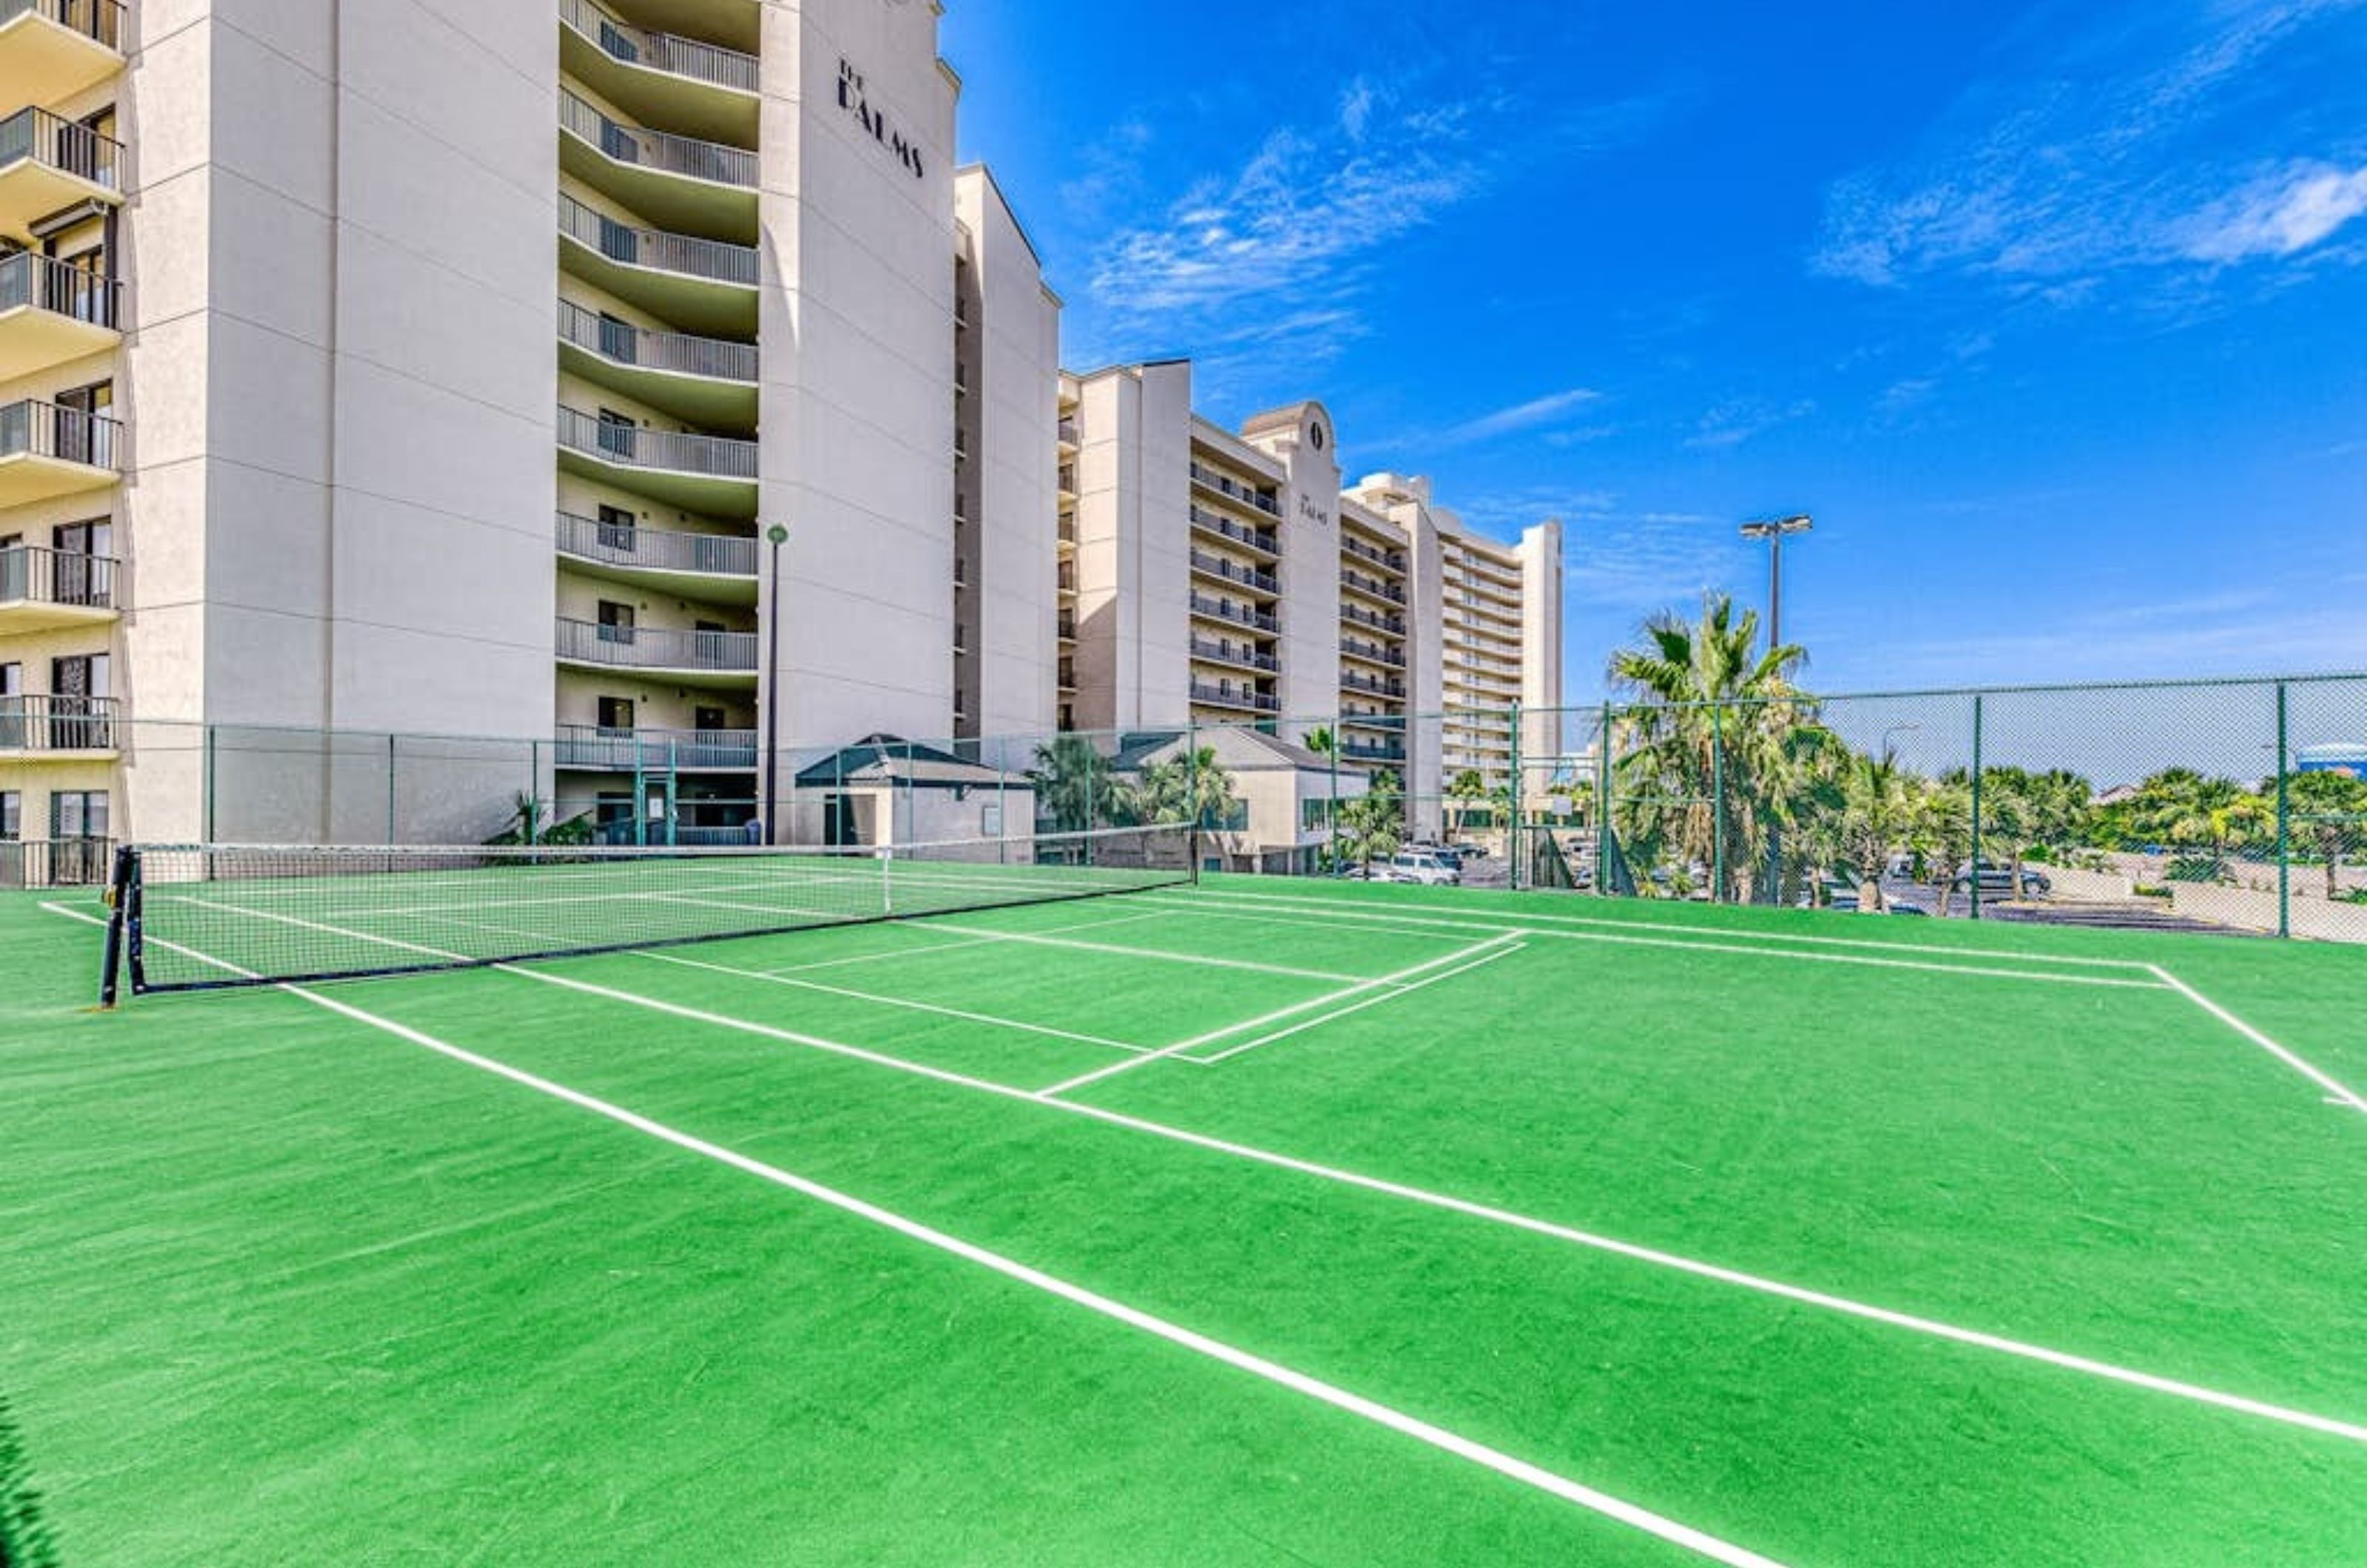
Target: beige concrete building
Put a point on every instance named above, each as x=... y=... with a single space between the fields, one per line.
x=290 y=436
x=1220 y=579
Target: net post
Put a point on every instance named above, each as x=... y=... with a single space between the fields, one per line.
x=2284 y=812
x=119 y=914
x=1976 y=868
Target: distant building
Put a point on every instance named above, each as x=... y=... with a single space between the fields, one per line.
x=2350 y=760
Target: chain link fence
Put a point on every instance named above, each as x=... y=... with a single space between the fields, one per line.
x=2228 y=805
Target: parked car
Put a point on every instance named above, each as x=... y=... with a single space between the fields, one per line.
x=1425 y=866
x=1999 y=880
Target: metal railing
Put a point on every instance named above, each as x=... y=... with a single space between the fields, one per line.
x=595 y=748
x=34 y=574
x=62 y=144
x=47 y=284
x=1371 y=585
x=1068 y=431
x=677 y=354
x=689 y=58
x=717 y=261
x=58 y=724
x=660 y=149
x=1246 y=576
x=1356 y=751
x=1393 y=625
x=1236 y=696
x=655 y=648
x=1231 y=653
x=31 y=429
x=1256 y=539
x=1233 y=488
x=656 y=549
x=1240 y=615
x=101 y=21
x=1371 y=684
x=55 y=863
x=719 y=456
x=1388 y=558
x=1373 y=651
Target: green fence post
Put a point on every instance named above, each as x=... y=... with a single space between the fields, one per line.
x=1192 y=786
x=673 y=789
x=1717 y=804
x=1602 y=803
x=2284 y=813
x=1512 y=839
x=391 y=767
x=1975 y=867
x=533 y=792
x=213 y=745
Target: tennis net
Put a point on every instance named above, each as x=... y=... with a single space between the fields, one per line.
x=204 y=917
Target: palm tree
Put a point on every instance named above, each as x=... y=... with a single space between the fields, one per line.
x=1321 y=741
x=1372 y=825
x=1877 y=814
x=1192 y=788
x=1717 y=733
x=2328 y=818
x=1075 y=787
x=1466 y=790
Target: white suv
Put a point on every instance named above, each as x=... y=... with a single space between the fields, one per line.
x=1421 y=867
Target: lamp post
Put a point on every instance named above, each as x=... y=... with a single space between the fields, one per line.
x=1773 y=531
x=776 y=536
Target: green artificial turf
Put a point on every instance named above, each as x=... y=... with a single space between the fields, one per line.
x=276 y=1285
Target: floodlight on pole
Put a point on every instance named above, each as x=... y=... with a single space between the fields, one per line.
x=1774 y=530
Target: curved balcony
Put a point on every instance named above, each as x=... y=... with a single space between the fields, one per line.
x=1372 y=653
x=41 y=590
x=1372 y=587
x=701 y=89
x=705 y=286
x=694 y=659
x=1235 y=490
x=1236 y=654
x=1246 y=577
x=719 y=569
x=699 y=380
x=1233 y=614
x=50 y=313
x=59 y=726
x=679 y=182
x=1239 y=697
x=53 y=50
x=47 y=451
x=1262 y=540
x=47 y=162
x=711 y=474
x=586 y=747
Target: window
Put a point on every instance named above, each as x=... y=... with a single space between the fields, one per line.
x=616 y=526
x=12 y=815
x=1314 y=814
x=80 y=576
x=617 y=339
x=78 y=814
x=616 y=434
x=706 y=721
x=83 y=433
x=615 y=623
x=617 y=715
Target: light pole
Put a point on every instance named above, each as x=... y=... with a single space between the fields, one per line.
x=1773 y=531
x=776 y=536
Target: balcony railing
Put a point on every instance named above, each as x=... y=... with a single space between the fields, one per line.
x=58 y=724
x=1236 y=696
x=656 y=549
x=55 y=863
x=1373 y=651
x=1388 y=558
x=659 y=149
x=1246 y=576
x=1356 y=751
x=629 y=45
x=1068 y=430
x=676 y=354
x=1240 y=615
x=30 y=429
x=1393 y=625
x=31 y=574
x=1068 y=625
x=651 y=647
x=1256 y=539
x=62 y=144
x=1372 y=685
x=47 y=284
x=598 y=747
x=1229 y=653
x=720 y=456
x=101 y=21
x=717 y=261
x=1262 y=499
x=1371 y=585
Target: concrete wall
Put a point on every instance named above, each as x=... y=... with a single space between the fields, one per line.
x=1133 y=542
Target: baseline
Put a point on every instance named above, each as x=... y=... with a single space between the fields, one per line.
x=2337 y=1092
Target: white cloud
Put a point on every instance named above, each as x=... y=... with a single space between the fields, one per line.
x=2119 y=148
x=1532 y=415
x=2280 y=214
x=1730 y=424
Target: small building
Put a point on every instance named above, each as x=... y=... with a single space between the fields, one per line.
x=2350 y=760
x=884 y=790
x=1287 y=793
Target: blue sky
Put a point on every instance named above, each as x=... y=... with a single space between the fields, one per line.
x=2055 y=315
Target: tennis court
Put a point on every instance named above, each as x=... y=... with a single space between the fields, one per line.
x=1248 y=1221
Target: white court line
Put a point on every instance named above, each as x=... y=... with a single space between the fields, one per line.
x=1358 y=1007
x=1858 y=960
x=1532 y=919
x=2339 y=1093
x=1486 y=1213
x=1192 y=958
x=989 y=1018
x=1759 y=1284
x=1394 y=982
x=1425 y=1432
x=926 y=949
